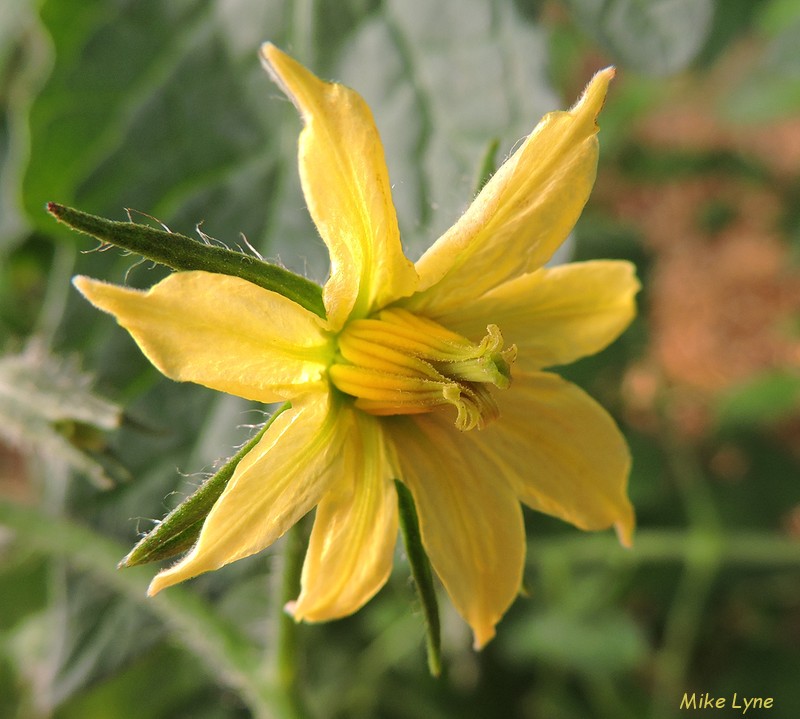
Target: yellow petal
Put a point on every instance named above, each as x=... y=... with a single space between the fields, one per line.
x=346 y=185
x=280 y=480
x=554 y=315
x=469 y=517
x=355 y=530
x=562 y=453
x=221 y=332
x=522 y=214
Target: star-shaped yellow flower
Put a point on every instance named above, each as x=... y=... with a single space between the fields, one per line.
x=426 y=372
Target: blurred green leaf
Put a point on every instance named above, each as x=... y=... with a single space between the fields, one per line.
x=443 y=80
x=766 y=398
x=82 y=638
x=218 y=645
x=732 y=22
x=24 y=62
x=775 y=15
x=135 y=83
x=657 y=37
x=771 y=89
x=175 y=687
x=605 y=643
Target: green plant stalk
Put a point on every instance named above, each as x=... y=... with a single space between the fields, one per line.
x=656 y=546
x=182 y=253
x=286 y=650
x=682 y=624
x=701 y=565
x=423 y=577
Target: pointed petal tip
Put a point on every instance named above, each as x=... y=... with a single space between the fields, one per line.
x=267 y=53
x=482 y=635
x=624 y=530
x=610 y=71
x=170 y=576
x=167 y=578
x=274 y=61
x=594 y=95
x=298 y=83
x=297 y=611
x=290 y=608
x=602 y=78
x=95 y=291
x=80 y=282
x=284 y=70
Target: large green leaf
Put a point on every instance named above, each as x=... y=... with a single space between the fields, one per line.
x=23 y=63
x=444 y=80
x=769 y=397
x=770 y=88
x=654 y=37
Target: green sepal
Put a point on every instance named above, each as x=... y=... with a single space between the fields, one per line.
x=183 y=253
x=487 y=166
x=179 y=530
x=423 y=577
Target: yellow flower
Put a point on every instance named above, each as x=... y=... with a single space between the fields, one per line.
x=428 y=372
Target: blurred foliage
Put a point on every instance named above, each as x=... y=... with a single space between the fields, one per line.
x=163 y=108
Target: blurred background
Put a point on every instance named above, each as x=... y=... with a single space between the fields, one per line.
x=163 y=108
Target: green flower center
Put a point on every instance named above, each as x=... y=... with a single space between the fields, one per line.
x=399 y=363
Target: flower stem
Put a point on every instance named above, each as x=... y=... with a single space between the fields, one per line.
x=702 y=563
x=286 y=651
x=423 y=578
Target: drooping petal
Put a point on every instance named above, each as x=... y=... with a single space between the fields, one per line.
x=562 y=453
x=220 y=331
x=554 y=315
x=523 y=213
x=352 y=544
x=347 y=190
x=280 y=480
x=469 y=516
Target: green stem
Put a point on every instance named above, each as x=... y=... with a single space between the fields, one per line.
x=703 y=559
x=55 y=299
x=423 y=577
x=286 y=651
x=653 y=546
x=182 y=253
x=682 y=624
